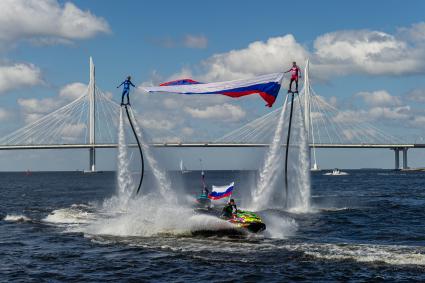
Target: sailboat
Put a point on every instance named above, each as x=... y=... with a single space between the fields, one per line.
x=183 y=169
x=315 y=167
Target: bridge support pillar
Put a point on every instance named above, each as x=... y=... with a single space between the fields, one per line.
x=405 y=158
x=92 y=159
x=396 y=159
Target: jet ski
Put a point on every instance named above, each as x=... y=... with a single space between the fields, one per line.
x=243 y=222
x=248 y=220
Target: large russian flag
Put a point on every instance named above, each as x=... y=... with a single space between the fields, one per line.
x=267 y=86
x=219 y=192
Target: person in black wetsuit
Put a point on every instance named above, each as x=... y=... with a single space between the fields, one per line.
x=229 y=210
x=126 y=90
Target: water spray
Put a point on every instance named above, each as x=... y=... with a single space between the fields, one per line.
x=287 y=148
x=140 y=149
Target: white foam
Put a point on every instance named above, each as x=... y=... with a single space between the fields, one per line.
x=124 y=179
x=394 y=255
x=161 y=177
x=72 y=215
x=279 y=227
x=147 y=216
x=261 y=194
x=16 y=218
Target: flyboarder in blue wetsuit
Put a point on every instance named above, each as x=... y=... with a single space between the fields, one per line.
x=126 y=90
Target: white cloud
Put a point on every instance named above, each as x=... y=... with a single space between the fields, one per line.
x=226 y=112
x=415 y=33
x=71 y=132
x=259 y=57
x=417 y=95
x=367 y=52
x=4 y=114
x=32 y=117
x=47 y=20
x=383 y=114
x=188 y=41
x=396 y=113
x=195 y=41
x=34 y=108
x=157 y=124
x=170 y=103
x=350 y=116
x=336 y=53
x=187 y=131
x=73 y=91
x=418 y=121
x=18 y=76
x=379 y=98
x=40 y=106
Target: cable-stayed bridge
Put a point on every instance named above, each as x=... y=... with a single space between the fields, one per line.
x=91 y=122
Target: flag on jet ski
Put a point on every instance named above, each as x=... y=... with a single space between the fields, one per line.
x=219 y=192
x=267 y=86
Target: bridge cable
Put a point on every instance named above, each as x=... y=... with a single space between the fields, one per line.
x=287 y=149
x=142 y=173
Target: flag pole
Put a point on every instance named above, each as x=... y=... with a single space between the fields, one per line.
x=230 y=196
x=202 y=174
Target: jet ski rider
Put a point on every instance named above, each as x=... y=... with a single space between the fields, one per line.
x=230 y=209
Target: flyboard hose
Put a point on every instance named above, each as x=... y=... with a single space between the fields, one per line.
x=140 y=150
x=287 y=149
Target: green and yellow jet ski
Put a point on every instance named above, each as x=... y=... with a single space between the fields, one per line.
x=248 y=220
x=243 y=222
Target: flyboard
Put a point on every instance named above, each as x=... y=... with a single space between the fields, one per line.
x=142 y=173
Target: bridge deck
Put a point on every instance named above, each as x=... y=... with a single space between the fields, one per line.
x=194 y=145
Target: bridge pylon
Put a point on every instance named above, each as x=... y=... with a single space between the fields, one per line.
x=92 y=120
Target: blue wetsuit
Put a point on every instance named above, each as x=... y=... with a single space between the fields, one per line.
x=126 y=90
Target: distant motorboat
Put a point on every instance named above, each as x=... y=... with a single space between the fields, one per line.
x=336 y=172
x=183 y=169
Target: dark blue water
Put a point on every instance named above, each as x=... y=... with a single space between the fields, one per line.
x=367 y=226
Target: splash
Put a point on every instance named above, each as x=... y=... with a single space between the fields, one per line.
x=76 y=214
x=270 y=191
x=147 y=217
x=279 y=227
x=154 y=211
x=125 y=185
x=161 y=178
x=16 y=218
x=262 y=195
x=299 y=162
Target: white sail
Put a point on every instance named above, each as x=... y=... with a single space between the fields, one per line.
x=182 y=167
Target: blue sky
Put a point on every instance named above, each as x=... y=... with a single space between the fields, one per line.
x=367 y=56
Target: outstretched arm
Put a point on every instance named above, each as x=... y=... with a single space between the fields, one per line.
x=120 y=85
x=132 y=84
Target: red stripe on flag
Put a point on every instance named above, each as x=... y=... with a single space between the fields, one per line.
x=270 y=99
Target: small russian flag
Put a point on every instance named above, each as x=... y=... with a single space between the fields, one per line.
x=219 y=192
